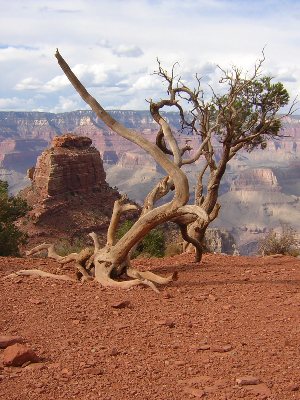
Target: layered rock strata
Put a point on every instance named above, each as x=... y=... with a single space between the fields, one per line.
x=69 y=194
x=71 y=166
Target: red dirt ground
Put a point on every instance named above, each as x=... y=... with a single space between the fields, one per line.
x=229 y=317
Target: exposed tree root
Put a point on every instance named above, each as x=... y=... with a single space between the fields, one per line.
x=83 y=259
x=39 y=273
x=133 y=273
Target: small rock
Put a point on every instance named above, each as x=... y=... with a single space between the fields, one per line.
x=168 y=323
x=36 y=301
x=221 y=349
x=211 y=297
x=94 y=371
x=294 y=387
x=18 y=354
x=203 y=347
x=122 y=304
x=179 y=363
x=6 y=341
x=66 y=372
x=247 y=380
x=114 y=352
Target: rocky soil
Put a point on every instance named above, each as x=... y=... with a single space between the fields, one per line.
x=227 y=329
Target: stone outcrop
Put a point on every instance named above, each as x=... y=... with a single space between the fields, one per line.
x=19 y=354
x=68 y=195
x=71 y=166
x=219 y=241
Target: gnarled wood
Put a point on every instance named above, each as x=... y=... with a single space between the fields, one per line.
x=243 y=117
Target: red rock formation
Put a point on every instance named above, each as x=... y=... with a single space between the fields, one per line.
x=69 y=167
x=69 y=194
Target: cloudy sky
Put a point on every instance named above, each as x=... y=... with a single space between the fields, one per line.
x=113 y=45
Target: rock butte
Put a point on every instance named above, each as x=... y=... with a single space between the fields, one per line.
x=68 y=193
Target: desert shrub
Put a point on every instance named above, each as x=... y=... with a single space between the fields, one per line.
x=283 y=242
x=153 y=244
x=65 y=246
x=11 y=208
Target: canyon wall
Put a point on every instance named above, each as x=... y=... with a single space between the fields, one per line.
x=259 y=190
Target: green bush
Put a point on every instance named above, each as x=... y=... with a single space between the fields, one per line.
x=284 y=242
x=11 y=208
x=153 y=244
x=65 y=246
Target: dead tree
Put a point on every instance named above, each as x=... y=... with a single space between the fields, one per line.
x=244 y=116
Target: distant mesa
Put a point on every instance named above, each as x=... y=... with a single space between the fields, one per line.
x=261 y=179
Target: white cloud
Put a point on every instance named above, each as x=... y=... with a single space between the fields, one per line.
x=66 y=104
x=15 y=103
x=115 y=44
x=55 y=84
x=28 y=84
x=145 y=82
x=128 y=51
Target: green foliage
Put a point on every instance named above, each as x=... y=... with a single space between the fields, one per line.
x=124 y=228
x=248 y=110
x=153 y=244
x=65 y=247
x=11 y=208
x=285 y=242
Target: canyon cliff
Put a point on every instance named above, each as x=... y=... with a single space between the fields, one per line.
x=260 y=189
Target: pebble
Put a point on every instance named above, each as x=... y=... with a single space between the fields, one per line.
x=221 y=349
x=247 y=380
x=212 y=297
x=66 y=372
x=94 y=371
x=114 y=352
x=203 y=347
x=168 y=323
x=121 y=304
x=294 y=387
